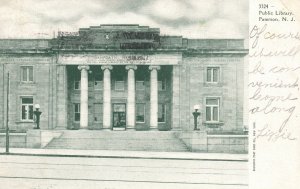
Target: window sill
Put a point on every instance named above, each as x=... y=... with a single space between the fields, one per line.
x=27 y=83
x=213 y=124
x=213 y=84
x=25 y=121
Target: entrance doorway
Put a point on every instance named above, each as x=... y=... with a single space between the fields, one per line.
x=119 y=116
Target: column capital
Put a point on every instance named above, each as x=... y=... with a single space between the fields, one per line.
x=106 y=67
x=128 y=67
x=83 y=67
x=154 y=67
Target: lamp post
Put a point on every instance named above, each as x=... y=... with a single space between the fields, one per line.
x=7 y=111
x=196 y=114
x=37 y=114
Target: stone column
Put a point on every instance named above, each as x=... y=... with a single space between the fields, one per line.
x=153 y=96
x=130 y=113
x=84 y=97
x=106 y=97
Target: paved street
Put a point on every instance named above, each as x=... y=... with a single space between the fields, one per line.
x=37 y=172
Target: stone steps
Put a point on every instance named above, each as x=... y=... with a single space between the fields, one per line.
x=118 y=140
x=83 y=133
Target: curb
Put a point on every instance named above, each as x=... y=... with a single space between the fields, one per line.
x=122 y=157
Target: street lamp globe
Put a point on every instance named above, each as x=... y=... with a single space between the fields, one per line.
x=37 y=106
x=197 y=107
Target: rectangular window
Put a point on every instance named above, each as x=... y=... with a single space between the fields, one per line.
x=140 y=113
x=98 y=112
x=140 y=85
x=98 y=82
x=77 y=84
x=77 y=112
x=119 y=108
x=27 y=108
x=27 y=73
x=212 y=109
x=119 y=85
x=212 y=75
x=162 y=84
x=161 y=115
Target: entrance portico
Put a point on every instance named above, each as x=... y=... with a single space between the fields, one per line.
x=108 y=120
x=142 y=82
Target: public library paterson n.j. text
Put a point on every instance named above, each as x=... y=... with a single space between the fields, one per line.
x=123 y=77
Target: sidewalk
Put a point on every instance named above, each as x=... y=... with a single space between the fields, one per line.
x=127 y=154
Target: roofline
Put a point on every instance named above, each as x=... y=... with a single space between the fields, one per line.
x=40 y=39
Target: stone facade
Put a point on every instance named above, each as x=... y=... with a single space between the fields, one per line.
x=41 y=89
x=181 y=81
x=194 y=90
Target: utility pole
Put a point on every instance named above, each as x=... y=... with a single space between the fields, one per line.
x=7 y=111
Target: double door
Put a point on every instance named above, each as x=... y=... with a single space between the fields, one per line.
x=119 y=116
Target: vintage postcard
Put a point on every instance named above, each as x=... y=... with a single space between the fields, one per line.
x=149 y=94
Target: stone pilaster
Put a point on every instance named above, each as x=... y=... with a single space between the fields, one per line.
x=176 y=98
x=61 y=98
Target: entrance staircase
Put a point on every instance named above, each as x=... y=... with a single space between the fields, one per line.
x=118 y=140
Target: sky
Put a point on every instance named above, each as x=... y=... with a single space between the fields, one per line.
x=187 y=18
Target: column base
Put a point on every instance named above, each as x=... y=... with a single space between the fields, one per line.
x=130 y=128
x=84 y=128
x=119 y=129
x=176 y=129
x=59 y=127
x=106 y=129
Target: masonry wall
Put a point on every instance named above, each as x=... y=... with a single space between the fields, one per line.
x=199 y=141
x=16 y=140
x=194 y=89
x=39 y=89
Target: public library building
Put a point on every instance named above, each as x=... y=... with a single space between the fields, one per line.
x=123 y=77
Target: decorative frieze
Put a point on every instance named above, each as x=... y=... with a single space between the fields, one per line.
x=120 y=59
